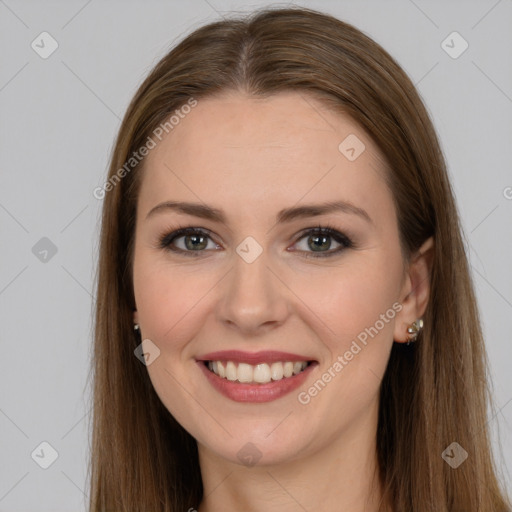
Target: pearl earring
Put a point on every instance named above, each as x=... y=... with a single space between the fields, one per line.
x=413 y=330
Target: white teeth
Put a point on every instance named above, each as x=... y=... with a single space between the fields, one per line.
x=288 y=369
x=244 y=372
x=262 y=373
x=276 y=371
x=231 y=373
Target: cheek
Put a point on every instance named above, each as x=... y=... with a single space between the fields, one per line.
x=169 y=300
x=351 y=298
x=357 y=308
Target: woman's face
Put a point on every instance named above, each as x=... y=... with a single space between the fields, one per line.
x=263 y=285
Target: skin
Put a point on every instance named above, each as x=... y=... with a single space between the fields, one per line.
x=253 y=157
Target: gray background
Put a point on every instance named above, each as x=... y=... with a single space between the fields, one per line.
x=58 y=120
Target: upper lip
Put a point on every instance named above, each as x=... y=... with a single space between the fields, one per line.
x=264 y=356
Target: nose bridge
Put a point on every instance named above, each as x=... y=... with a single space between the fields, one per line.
x=254 y=295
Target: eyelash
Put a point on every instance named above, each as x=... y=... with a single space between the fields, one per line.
x=346 y=243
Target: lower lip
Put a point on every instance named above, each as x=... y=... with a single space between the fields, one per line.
x=256 y=393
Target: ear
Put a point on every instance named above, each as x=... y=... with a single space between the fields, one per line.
x=135 y=317
x=415 y=290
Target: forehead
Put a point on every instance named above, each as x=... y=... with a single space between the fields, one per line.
x=259 y=155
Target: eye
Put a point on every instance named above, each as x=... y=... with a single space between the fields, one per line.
x=193 y=241
x=319 y=240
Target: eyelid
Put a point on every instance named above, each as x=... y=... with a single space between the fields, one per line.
x=327 y=229
x=171 y=235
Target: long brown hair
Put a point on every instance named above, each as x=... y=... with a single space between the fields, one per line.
x=435 y=392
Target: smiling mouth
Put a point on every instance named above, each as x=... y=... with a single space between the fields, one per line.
x=262 y=373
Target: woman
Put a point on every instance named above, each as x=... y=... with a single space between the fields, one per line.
x=285 y=314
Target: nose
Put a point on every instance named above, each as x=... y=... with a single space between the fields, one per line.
x=254 y=299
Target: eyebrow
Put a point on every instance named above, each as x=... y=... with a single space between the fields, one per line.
x=286 y=215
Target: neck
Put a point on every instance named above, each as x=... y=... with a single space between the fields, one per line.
x=342 y=476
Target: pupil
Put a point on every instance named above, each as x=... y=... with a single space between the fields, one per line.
x=323 y=238
x=194 y=243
